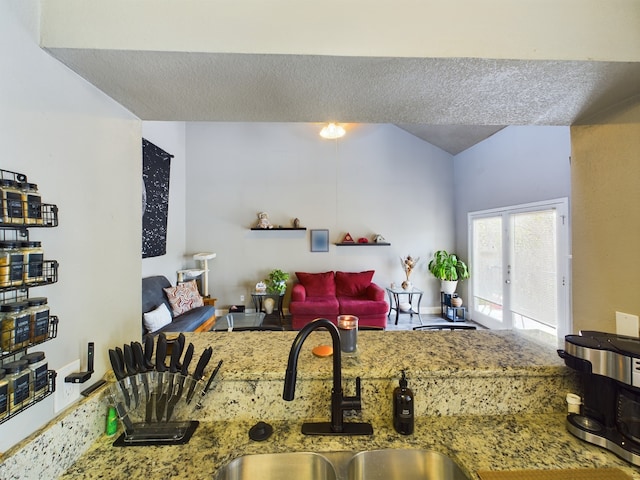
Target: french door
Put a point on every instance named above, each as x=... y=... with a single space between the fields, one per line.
x=520 y=269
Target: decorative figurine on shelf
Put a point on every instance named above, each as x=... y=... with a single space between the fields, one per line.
x=296 y=223
x=363 y=240
x=263 y=221
x=348 y=238
x=408 y=264
x=378 y=239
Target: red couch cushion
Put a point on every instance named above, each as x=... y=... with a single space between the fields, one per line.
x=322 y=306
x=317 y=284
x=349 y=284
x=360 y=307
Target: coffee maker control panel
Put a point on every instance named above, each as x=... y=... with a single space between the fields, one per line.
x=635 y=374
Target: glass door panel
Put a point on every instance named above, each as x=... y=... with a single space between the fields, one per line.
x=534 y=271
x=487 y=269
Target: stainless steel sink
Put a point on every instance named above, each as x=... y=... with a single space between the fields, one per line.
x=279 y=466
x=402 y=464
x=387 y=464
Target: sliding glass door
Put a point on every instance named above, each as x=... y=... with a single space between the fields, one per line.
x=520 y=269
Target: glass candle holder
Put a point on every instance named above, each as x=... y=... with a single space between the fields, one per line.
x=348 y=328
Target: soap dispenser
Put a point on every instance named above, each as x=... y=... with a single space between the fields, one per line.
x=403 y=407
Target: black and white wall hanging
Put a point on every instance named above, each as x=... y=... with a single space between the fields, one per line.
x=156 y=168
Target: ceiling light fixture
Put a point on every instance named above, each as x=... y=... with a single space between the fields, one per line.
x=332 y=131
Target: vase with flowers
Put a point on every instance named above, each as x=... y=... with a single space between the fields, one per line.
x=408 y=263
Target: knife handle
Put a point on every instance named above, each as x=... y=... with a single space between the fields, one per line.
x=187 y=360
x=161 y=352
x=120 y=354
x=176 y=351
x=116 y=364
x=148 y=352
x=181 y=342
x=202 y=363
x=138 y=355
x=129 y=360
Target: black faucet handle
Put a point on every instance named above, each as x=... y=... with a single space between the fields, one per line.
x=353 y=403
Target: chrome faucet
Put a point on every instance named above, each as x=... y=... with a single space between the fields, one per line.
x=339 y=403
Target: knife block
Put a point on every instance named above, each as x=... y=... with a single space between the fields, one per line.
x=156 y=408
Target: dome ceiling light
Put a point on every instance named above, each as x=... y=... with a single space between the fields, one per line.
x=332 y=131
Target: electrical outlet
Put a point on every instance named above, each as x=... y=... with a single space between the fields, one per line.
x=627 y=324
x=242 y=298
x=66 y=393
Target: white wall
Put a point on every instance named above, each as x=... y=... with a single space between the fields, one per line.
x=377 y=179
x=83 y=150
x=516 y=165
x=170 y=136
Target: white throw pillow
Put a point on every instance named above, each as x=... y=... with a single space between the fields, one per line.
x=158 y=318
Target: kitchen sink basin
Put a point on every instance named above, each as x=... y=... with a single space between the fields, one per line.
x=279 y=466
x=402 y=464
x=389 y=464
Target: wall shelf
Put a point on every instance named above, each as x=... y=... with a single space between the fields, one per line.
x=356 y=244
x=23 y=210
x=277 y=229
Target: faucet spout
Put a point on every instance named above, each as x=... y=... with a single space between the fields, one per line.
x=339 y=403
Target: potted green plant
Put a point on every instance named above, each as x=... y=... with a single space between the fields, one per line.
x=277 y=281
x=448 y=268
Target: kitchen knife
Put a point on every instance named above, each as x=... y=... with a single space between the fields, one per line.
x=148 y=352
x=132 y=371
x=187 y=360
x=199 y=371
x=118 y=369
x=181 y=341
x=161 y=396
x=184 y=371
x=176 y=352
x=206 y=389
x=139 y=357
x=120 y=354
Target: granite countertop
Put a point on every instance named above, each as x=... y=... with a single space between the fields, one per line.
x=491 y=400
x=502 y=442
x=383 y=354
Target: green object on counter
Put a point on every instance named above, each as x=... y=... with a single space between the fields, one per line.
x=112 y=422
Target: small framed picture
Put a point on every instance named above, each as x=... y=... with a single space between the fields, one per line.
x=319 y=240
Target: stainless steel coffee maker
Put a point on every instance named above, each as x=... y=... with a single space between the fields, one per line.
x=609 y=367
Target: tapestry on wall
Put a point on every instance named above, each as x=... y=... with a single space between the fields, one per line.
x=156 y=167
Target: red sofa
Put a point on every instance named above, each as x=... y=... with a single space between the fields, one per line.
x=329 y=294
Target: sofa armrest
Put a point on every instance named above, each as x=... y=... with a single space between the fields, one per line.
x=298 y=293
x=374 y=292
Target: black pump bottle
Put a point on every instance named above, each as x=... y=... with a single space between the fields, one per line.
x=403 y=407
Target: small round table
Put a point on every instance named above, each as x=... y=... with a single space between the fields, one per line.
x=394 y=301
x=258 y=299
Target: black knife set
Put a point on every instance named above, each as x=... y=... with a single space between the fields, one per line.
x=152 y=399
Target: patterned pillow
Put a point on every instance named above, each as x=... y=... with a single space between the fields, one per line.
x=183 y=297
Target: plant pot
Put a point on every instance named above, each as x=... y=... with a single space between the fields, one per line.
x=448 y=286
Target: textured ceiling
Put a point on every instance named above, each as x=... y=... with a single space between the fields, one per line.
x=452 y=103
